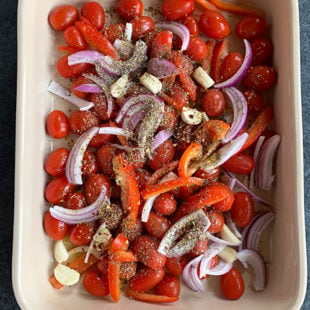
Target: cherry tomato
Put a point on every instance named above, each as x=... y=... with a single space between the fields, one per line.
x=175 y=265
x=240 y=164
x=169 y=286
x=225 y=204
x=127 y=270
x=169 y=119
x=260 y=77
x=217 y=221
x=105 y=157
x=179 y=94
x=94 y=12
x=70 y=72
x=161 y=44
x=210 y=176
x=141 y=25
x=55 y=229
x=197 y=48
x=81 y=234
x=232 y=284
x=79 y=81
x=74 y=38
x=157 y=225
x=162 y=155
x=142 y=177
x=256 y=103
x=200 y=247
x=57 y=124
x=114 y=31
x=213 y=103
x=192 y=24
x=177 y=9
x=242 y=210
x=262 y=51
x=81 y=121
x=101 y=139
x=186 y=64
x=76 y=201
x=63 y=16
x=95 y=283
x=165 y=204
x=93 y=187
x=56 y=162
x=129 y=9
x=100 y=105
x=251 y=27
x=89 y=164
x=214 y=25
x=135 y=232
x=230 y=65
x=145 y=249
x=58 y=190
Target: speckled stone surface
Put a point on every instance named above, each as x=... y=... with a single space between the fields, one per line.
x=8 y=13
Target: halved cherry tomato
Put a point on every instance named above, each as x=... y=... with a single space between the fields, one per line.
x=255 y=101
x=94 y=12
x=262 y=51
x=58 y=190
x=213 y=103
x=141 y=25
x=196 y=49
x=89 y=164
x=232 y=284
x=230 y=65
x=81 y=121
x=260 y=77
x=76 y=201
x=74 y=38
x=191 y=23
x=105 y=157
x=214 y=25
x=251 y=27
x=57 y=124
x=95 y=283
x=175 y=265
x=55 y=229
x=242 y=210
x=162 y=155
x=177 y=9
x=81 y=234
x=165 y=204
x=129 y=9
x=63 y=16
x=114 y=31
x=70 y=72
x=216 y=220
x=157 y=225
x=241 y=163
x=93 y=187
x=56 y=162
x=169 y=286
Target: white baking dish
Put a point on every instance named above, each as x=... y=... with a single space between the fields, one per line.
x=32 y=255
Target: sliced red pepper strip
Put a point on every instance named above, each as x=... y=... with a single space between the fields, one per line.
x=150 y=297
x=124 y=257
x=257 y=127
x=207 y=5
x=220 y=51
x=130 y=197
x=67 y=49
x=120 y=243
x=96 y=39
x=158 y=174
x=167 y=186
x=215 y=130
x=178 y=106
x=114 y=280
x=233 y=8
x=206 y=62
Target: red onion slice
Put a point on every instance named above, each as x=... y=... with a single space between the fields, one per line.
x=221 y=241
x=241 y=72
x=258 y=146
x=160 y=138
x=255 y=260
x=178 y=29
x=61 y=92
x=244 y=234
x=113 y=131
x=128 y=31
x=87 y=56
x=134 y=115
x=88 y=88
x=190 y=275
x=221 y=268
x=74 y=162
x=124 y=48
x=240 y=109
x=264 y=165
x=161 y=68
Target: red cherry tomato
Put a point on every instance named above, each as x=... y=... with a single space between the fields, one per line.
x=214 y=25
x=200 y=247
x=179 y=94
x=175 y=265
x=94 y=12
x=89 y=165
x=162 y=155
x=242 y=210
x=57 y=124
x=58 y=190
x=162 y=44
x=142 y=177
x=213 y=103
x=63 y=16
x=81 y=121
x=177 y=9
x=70 y=72
x=165 y=204
x=95 y=283
x=81 y=234
x=114 y=31
x=197 y=48
x=129 y=9
x=169 y=286
x=157 y=225
x=260 y=77
x=225 y=204
x=93 y=187
x=105 y=157
x=169 y=119
x=262 y=51
x=211 y=176
x=55 y=229
x=192 y=24
x=127 y=270
x=101 y=139
x=241 y=164
x=217 y=221
x=76 y=201
x=56 y=162
x=74 y=38
x=256 y=103
x=230 y=65
x=135 y=232
x=232 y=284
x=141 y=25
x=100 y=105
x=251 y=27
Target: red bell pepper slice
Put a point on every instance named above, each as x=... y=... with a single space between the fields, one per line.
x=215 y=130
x=220 y=51
x=162 y=171
x=178 y=106
x=124 y=257
x=96 y=39
x=120 y=243
x=233 y=8
x=207 y=5
x=114 y=280
x=206 y=62
x=167 y=186
x=150 y=297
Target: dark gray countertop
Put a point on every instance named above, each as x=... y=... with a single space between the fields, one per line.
x=7 y=135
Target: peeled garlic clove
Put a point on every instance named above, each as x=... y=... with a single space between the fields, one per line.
x=60 y=252
x=65 y=275
x=151 y=82
x=203 y=78
x=191 y=116
x=228 y=235
x=119 y=88
x=228 y=254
